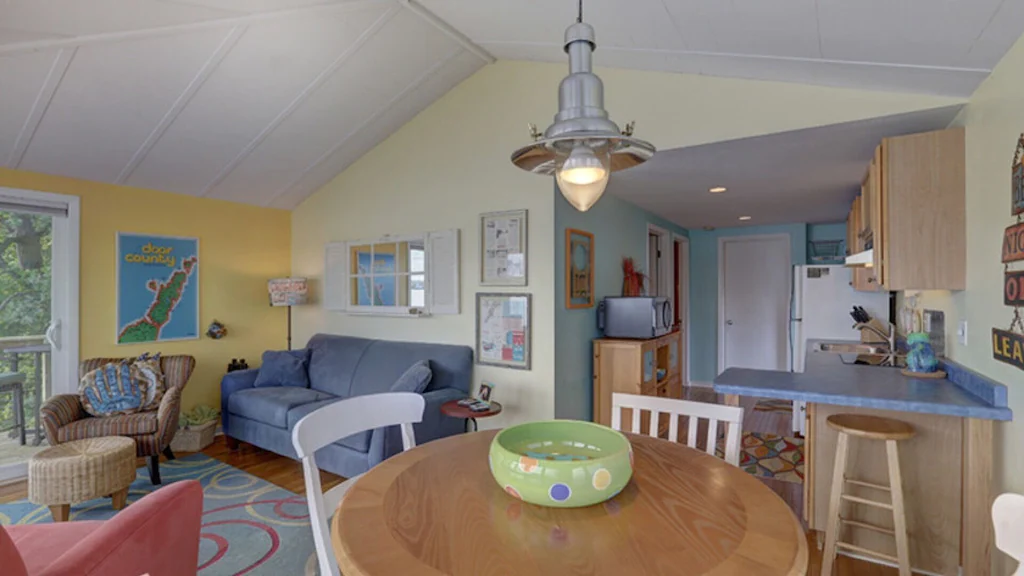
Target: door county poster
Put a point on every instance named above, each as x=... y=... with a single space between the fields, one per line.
x=157 y=288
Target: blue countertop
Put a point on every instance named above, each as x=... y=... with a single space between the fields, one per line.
x=827 y=380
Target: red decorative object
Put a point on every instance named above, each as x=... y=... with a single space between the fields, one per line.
x=632 y=279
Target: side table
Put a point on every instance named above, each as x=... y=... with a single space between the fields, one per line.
x=452 y=408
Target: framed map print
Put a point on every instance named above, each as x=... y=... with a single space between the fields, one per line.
x=579 y=269
x=157 y=288
x=503 y=330
x=503 y=248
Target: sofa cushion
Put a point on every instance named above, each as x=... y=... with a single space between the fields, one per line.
x=123 y=425
x=271 y=405
x=333 y=360
x=112 y=389
x=414 y=379
x=452 y=366
x=284 y=368
x=360 y=441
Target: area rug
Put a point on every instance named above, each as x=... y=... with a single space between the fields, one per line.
x=770 y=456
x=774 y=406
x=249 y=526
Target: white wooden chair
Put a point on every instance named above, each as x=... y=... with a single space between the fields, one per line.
x=332 y=423
x=713 y=413
x=1008 y=517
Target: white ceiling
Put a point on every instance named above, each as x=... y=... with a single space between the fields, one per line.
x=264 y=101
x=809 y=175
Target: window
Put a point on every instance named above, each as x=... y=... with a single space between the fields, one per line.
x=408 y=275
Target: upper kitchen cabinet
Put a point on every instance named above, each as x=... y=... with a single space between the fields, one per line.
x=909 y=222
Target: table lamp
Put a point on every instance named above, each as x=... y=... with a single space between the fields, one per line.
x=288 y=292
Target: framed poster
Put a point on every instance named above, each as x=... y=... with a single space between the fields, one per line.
x=579 y=269
x=503 y=330
x=157 y=288
x=503 y=248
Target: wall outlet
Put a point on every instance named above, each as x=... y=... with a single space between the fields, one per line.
x=961 y=332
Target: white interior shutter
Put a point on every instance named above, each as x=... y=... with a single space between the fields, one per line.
x=443 y=283
x=336 y=276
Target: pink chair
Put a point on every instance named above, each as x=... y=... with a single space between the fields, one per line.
x=158 y=535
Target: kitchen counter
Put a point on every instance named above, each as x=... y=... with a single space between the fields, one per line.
x=827 y=380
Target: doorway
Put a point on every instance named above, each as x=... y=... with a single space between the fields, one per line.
x=753 y=302
x=39 y=239
x=681 y=299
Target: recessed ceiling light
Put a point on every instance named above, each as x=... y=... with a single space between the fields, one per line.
x=717 y=189
x=744 y=218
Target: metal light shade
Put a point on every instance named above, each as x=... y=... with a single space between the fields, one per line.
x=582 y=122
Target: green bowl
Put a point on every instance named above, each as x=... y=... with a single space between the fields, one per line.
x=561 y=463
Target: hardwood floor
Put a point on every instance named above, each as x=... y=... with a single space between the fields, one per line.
x=287 y=474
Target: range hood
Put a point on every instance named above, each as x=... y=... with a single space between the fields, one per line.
x=865 y=259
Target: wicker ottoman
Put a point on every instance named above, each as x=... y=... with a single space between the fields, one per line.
x=81 y=470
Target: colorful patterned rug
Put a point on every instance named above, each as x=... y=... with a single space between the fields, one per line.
x=249 y=526
x=774 y=406
x=770 y=456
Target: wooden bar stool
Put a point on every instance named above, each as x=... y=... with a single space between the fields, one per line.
x=870 y=428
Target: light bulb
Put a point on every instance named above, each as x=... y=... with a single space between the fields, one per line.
x=584 y=176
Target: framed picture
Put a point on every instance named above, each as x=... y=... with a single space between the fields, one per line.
x=157 y=288
x=503 y=330
x=486 y=389
x=503 y=248
x=579 y=269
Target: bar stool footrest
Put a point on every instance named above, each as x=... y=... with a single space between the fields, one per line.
x=859 y=500
x=866 y=526
x=866 y=552
x=871 y=485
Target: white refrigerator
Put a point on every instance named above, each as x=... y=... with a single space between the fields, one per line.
x=822 y=300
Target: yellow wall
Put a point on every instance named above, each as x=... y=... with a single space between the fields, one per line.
x=451 y=163
x=994 y=120
x=241 y=247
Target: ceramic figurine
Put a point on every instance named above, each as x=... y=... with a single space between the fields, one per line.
x=921 y=357
x=216 y=330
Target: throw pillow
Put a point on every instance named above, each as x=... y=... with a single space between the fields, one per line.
x=147 y=368
x=415 y=379
x=284 y=368
x=112 y=389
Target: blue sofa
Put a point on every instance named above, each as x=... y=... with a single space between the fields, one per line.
x=341 y=367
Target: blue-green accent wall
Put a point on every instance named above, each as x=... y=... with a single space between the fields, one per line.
x=704 y=289
x=620 y=230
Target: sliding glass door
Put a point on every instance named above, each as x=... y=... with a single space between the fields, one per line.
x=38 y=295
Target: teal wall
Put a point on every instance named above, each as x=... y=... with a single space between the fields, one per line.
x=620 y=230
x=827 y=231
x=704 y=289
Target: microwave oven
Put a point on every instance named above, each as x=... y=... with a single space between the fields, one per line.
x=641 y=317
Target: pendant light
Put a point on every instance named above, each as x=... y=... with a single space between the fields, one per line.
x=582 y=147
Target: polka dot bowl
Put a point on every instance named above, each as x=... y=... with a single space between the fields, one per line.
x=561 y=463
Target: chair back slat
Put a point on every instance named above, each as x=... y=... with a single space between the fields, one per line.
x=731 y=416
x=1008 y=518
x=332 y=423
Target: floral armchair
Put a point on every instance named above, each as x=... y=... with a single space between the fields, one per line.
x=65 y=420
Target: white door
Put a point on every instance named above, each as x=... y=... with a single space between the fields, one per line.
x=682 y=303
x=754 y=288
x=38 y=315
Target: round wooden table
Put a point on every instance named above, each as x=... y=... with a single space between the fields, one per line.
x=452 y=408
x=436 y=510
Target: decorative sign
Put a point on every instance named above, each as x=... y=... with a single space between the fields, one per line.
x=1013 y=288
x=579 y=269
x=1013 y=243
x=1008 y=347
x=1017 y=186
x=157 y=288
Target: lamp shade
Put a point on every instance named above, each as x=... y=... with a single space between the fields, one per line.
x=287 y=291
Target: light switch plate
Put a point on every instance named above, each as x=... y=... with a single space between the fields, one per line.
x=961 y=332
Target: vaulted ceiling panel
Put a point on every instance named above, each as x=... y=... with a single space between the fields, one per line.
x=255 y=6
x=930 y=34
x=17 y=99
x=110 y=99
x=363 y=87
x=84 y=17
x=425 y=90
x=272 y=64
x=785 y=28
x=8 y=36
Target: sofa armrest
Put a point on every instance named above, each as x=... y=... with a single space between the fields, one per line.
x=386 y=442
x=157 y=535
x=58 y=412
x=233 y=382
x=167 y=417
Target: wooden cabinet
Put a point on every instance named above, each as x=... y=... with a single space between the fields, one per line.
x=646 y=367
x=912 y=213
